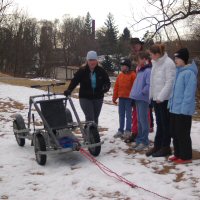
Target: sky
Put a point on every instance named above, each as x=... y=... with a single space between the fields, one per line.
x=51 y=9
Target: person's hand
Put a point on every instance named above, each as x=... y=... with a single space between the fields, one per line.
x=67 y=93
x=114 y=101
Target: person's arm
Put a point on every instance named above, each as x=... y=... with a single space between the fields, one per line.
x=115 y=91
x=74 y=82
x=190 y=82
x=145 y=89
x=169 y=81
x=107 y=84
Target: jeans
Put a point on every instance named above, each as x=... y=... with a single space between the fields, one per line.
x=162 y=138
x=91 y=108
x=125 y=110
x=143 y=124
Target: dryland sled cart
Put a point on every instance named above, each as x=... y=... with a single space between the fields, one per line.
x=57 y=134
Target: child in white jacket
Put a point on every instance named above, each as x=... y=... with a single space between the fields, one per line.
x=161 y=83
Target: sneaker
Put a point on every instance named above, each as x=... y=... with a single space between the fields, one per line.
x=181 y=161
x=172 y=158
x=130 y=139
x=127 y=134
x=141 y=147
x=119 y=134
x=134 y=145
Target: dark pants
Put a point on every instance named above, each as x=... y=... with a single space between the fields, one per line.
x=162 y=138
x=91 y=108
x=151 y=115
x=180 y=126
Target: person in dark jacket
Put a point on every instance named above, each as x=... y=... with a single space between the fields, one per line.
x=94 y=82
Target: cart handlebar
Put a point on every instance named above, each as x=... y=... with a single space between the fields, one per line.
x=48 y=85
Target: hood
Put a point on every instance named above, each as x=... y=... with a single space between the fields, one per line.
x=145 y=67
x=160 y=60
x=192 y=67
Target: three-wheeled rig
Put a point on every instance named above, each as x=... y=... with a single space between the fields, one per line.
x=57 y=134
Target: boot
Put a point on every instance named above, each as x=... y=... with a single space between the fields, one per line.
x=152 y=150
x=164 y=151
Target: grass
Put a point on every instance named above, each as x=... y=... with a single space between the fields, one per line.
x=28 y=83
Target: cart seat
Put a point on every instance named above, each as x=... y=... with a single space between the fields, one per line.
x=54 y=112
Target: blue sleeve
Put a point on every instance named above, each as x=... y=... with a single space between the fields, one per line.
x=190 y=83
x=145 y=89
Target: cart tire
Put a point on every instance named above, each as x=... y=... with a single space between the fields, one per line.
x=93 y=138
x=69 y=116
x=40 y=146
x=19 y=124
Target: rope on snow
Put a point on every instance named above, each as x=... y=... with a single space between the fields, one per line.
x=112 y=174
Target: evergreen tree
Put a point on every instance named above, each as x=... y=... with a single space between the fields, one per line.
x=126 y=34
x=111 y=35
x=107 y=64
x=88 y=24
x=123 y=43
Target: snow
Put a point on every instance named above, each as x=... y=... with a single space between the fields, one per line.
x=72 y=176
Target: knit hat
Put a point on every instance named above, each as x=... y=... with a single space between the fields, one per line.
x=92 y=55
x=183 y=54
x=126 y=62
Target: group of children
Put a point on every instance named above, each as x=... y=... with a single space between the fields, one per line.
x=171 y=88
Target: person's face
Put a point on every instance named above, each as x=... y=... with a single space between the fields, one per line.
x=141 y=61
x=92 y=64
x=179 y=62
x=154 y=56
x=124 y=68
x=136 y=47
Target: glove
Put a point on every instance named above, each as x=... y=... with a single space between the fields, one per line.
x=114 y=101
x=67 y=93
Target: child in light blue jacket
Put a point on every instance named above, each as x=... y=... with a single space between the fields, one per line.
x=182 y=107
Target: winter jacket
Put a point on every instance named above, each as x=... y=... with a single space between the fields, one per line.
x=123 y=85
x=140 y=89
x=87 y=89
x=162 y=78
x=182 y=100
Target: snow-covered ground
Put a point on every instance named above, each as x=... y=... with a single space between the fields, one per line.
x=72 y=176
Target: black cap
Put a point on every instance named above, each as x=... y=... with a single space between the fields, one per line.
x=183 y=54
x=126 y=62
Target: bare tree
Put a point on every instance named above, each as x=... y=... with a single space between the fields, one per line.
x=4 y=5
x=168 y=14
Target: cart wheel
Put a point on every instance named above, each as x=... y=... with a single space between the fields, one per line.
x=40 y=146
x=69 y=115
x=93 y=138
x=18 y=124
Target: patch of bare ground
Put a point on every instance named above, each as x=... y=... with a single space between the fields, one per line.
x=115 y=195
x=4 y=197
x=37 y=173
x=179 y=177
x=6 y=106
x=111 y=151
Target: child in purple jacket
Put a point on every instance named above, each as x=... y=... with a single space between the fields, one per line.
x=140 y=94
